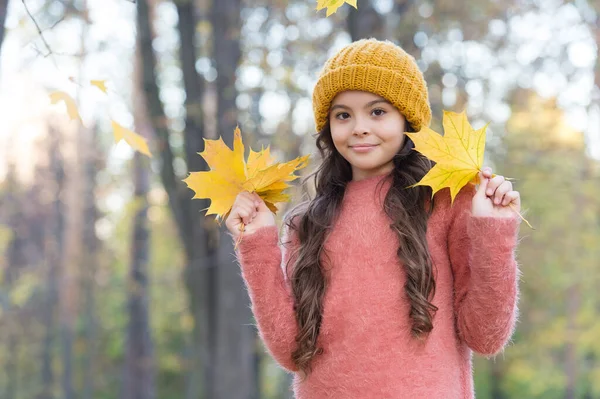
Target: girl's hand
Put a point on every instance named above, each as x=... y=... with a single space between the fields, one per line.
x=250 y=212
x=495 y=197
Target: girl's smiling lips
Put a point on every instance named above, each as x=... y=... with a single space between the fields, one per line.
x=363 y=147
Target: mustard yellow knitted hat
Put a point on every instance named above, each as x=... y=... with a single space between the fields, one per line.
x=379 y=67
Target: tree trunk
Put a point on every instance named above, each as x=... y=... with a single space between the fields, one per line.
x=139 y=374
x=365 y=22
x=217 y=301
x=69 y=266
x=73 y=259
x=496 y=376
x=54 y=244
x=186 y=212
x=3 y=12
x=173 y=186
x=90 y=244
x=286 y=391
x=235 y=337
x=571 y=361
x=139 y=364
x=11 y=212
x=68 y=302
x=571 y=364
x=199 y=271
x=590 y=362
x=572 y=250
x=12 y=364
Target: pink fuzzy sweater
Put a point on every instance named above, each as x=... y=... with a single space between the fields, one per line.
x=365 y=333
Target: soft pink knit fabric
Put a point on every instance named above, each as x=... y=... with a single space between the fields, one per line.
x=365 y=333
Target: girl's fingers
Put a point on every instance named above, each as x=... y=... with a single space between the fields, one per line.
x=504 y=188
x=246 y=213
x=243 y=212
x=493 y=184
x=246 y=199
x=487 y=172
x=253 y=199
x=499 y=190
x=247 y=205
x=510 y=197
x=257 y=200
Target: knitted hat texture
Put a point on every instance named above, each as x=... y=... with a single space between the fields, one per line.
x=379 y=67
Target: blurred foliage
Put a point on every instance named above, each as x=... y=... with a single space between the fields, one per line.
x=522 y=65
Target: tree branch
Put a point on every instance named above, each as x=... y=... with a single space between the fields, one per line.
x=38 y=29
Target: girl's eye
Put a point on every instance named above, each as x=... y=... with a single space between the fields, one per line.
x=342 y=115
x=378 y=112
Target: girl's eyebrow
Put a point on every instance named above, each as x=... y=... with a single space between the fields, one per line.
x=368 y=105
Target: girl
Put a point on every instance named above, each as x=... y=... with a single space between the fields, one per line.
x=384 y=291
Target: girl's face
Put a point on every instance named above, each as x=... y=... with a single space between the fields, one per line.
x=367 y=130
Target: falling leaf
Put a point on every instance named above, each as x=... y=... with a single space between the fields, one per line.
x=230 y=175
x=333 y=5
x=101 y=84
x=57 y=96
x=136 y=141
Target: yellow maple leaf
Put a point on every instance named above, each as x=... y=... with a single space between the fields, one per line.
x=101 y=84
x=136 y=141
x=230 y=174
x=57 y=96
x=258 y=161
x=458 y=154
x=333 y=5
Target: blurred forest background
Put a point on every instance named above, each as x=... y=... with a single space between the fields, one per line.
x=114 y=285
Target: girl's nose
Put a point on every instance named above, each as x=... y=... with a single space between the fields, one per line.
x=361 y=130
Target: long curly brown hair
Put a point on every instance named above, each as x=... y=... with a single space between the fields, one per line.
x=408 y=209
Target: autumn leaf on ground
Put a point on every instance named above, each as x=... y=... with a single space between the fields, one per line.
x=57 y=96
x=230 y=174
x=136 y=141
x=458 y=154
x=101 y=84
x=333 y=5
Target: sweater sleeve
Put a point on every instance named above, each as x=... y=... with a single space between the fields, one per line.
x=262 y=264
x=482 y=254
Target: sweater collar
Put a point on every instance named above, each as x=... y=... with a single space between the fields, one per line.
x=368 y=186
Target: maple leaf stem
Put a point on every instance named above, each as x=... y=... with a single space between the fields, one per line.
x=521 y=216
x=239 y=239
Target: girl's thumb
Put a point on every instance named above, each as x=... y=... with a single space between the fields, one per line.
x=483 y=183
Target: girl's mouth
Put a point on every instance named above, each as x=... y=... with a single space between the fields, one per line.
x=363 y=148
